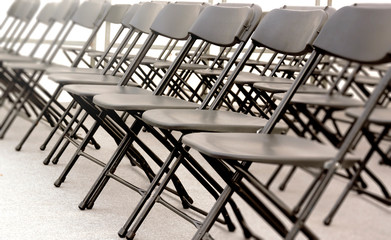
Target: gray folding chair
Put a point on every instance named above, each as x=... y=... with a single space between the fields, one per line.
x=23 y=12
x=360 y=41
x=48 y=16
x=89 y=15
x=139 y=25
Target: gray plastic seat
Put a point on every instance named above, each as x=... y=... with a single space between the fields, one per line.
x=189 y=120
x=264 y=148
x=86 y=90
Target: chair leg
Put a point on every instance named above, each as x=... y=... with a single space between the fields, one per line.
x=62 y=137
x=122 y=232
x=58 y=124
x=35 y=123
x=76 y=155
x=103 y=177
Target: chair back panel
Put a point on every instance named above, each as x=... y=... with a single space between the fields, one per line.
x=223 y=26
x=175 y=20
x=88 y=13
x=131 y=12
x=289 y=31
x=65 y=10
x=145 y=16
x=350 y=34
x=117 y=13
x=46 y=14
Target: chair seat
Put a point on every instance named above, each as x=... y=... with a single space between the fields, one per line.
x=334 y=101
x=263 y=148
x=381 y=116
x=209 y=72
x=204 y=120
x=88 y=90
x=31 y=66
x=283 y=87
x=7 y=57
x=125 y=102
x=251 y=78
x=74 y=78
x=64 y=69
x=186 y=66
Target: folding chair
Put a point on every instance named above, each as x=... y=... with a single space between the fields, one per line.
x=22 y=12
x=115 y=12
x=359 y=41
x=301 y=27
x=89 y=15
x=140 y=25
x=49 y=15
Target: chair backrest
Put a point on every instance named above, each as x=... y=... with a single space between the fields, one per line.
x=26 y=10
x=222 y=25
x=289 y=31
x=65 y=10
x=351 y=35
x=166 y=22
x=329 y=10
x=116 y=13
x=145 y=16
x=13 y=8
x=131 y=12
x=45 y=16
x=89 y=13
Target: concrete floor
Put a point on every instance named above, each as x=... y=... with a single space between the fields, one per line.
x=32 y=208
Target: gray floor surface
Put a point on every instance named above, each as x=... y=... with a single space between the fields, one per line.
x=32 y=208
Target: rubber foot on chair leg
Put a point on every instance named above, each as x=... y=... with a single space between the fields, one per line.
x=90 y=206
x=97 y=146
x=130 y=236
x=58 y=182
x=42 y=147
x=327 y=221
x=122 y=233
x=18 y=148
x=46 y=161
x=82 y=206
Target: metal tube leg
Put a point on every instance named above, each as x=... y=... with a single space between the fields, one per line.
x=213 y=213
x=132 y=232
x=62 y=137
x=35 y=123
x=103 y=178
x=49 y=137
x=147 y=194
x=76 y=155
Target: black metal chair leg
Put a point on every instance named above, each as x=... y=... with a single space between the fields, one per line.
x=35 y=123
x=122 y=232
x=76 y=155
x=103 y=177
x=132 y=232
x=55 y=128
x=287 y=178
x=62 y=137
